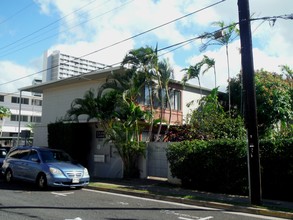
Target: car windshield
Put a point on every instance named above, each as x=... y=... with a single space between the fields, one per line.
x=2 y=153
x=54 y=156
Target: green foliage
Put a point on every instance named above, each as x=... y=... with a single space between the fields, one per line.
x=4 y=112
x=210 y=121
x=274 y=96
x=214 y=166
x=125 y=136
x=221 y=166
x=273 y=100
x=277 y=168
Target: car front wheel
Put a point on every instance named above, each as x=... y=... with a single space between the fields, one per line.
x=42 y=181
x=8 y=176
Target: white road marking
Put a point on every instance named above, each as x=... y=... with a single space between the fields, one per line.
x=185 y=205
x=154 y=200
x=62 y=194
x=77 y=218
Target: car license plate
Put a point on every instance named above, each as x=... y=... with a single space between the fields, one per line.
x=75 y=180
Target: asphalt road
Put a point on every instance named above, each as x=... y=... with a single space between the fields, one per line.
x=23 y=201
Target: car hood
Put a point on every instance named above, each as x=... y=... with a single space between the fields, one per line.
x=66 y=166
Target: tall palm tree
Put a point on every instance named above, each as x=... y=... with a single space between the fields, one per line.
x=143 y=62
x=165 y=73
x=193 y=71
x=224 y=37
x=209 y=62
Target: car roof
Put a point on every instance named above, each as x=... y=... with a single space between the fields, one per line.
x=34 y=147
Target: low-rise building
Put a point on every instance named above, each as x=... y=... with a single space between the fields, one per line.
x=26 y=112
x=103 y=160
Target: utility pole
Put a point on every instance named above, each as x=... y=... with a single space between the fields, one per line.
x=249 y=103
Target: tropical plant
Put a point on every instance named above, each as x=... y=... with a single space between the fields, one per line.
x=165 y=73
x=193 y=71
x=209 y=63
x=223 y=37
x=4 y=112
x=144 y=63
x=213 y=122
x=124 y=134
x=274 y=102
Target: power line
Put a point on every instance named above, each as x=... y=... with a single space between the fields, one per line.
x=65 y=30
x=46 y=26
x=124 y=40
x=16 y=13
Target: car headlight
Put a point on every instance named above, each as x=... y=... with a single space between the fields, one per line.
x=85 y=172
x=55 y=171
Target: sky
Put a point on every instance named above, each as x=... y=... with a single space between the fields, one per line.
x=106 y=30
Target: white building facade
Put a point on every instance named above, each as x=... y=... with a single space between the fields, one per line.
x=59 y=66
x=23 y=116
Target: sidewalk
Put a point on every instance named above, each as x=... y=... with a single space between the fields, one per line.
x=161 y=189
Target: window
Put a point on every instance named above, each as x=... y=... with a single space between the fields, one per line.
x=33 y=156
x=36 y=119
x=16 y=117
x=36 y=102
x=16 y=100
x=1 y=98
x=175 y=100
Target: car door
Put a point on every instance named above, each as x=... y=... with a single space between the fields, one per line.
x=32 y=167
x=19 y=163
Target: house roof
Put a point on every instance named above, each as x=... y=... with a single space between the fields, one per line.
x=94 y=75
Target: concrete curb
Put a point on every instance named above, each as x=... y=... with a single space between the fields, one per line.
x=209 y=204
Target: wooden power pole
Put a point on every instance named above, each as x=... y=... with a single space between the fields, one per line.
x=249 y=103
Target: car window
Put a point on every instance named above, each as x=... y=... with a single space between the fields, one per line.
x=19 y=154
x=13 y=154
x=55 y=156
x=33 y=155
x=23 y=154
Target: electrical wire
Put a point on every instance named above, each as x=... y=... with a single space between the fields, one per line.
x=16 y=13
x=124 y=40
x=46 y=26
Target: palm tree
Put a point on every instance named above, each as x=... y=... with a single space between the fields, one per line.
x=193 y=71
x=84 y=106
x=4 y=112
x=165 y=73
x=143 y=62
x=224 y=37
x=209 y=62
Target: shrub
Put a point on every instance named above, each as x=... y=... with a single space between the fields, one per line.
x=215 y=166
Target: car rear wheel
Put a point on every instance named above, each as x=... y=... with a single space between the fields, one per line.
x=8 y=176
x=42 y=181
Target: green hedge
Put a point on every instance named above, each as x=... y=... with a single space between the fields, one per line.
x=277 y=169
x=221 y=166
x=74 y=138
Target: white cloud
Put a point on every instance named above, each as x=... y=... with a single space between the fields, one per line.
x=10 y=70
x=105 y=23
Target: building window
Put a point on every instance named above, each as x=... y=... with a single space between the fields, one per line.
x=36 y=119
x=1 y=98
x=36 y=102
x=175 y=100
x=16 y=117
x=16 y=100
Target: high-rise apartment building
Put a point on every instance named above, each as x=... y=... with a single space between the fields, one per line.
x=59 y=66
